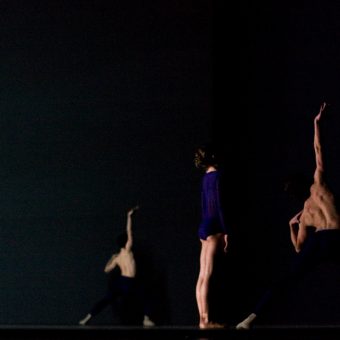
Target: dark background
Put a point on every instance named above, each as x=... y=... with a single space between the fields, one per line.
x=288 y=55
x=103 y=104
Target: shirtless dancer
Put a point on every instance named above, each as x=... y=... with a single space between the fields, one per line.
x=125 y=283
x=319 y=213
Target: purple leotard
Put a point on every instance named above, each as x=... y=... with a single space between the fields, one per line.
x=212 y=216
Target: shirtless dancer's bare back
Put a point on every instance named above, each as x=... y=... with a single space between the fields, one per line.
x=125 y=261
x=319 y=209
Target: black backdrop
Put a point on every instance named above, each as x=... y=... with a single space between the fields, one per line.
x=103 y=103
x=287 y=56
x=102 y=106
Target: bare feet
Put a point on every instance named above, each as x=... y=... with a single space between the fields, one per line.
x=211 y=325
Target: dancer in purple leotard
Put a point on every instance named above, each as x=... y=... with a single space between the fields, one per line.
x=212 y=232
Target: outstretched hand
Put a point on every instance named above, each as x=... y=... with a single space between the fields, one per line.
x=322 y=108
x=295 y=220
x=132 y=210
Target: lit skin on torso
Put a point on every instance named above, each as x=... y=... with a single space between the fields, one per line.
x=319 y=209
x=124 y=259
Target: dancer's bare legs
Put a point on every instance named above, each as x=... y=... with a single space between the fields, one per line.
x=209 y=249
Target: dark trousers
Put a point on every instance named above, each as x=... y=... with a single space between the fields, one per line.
x=322 y=246
x=126 y=300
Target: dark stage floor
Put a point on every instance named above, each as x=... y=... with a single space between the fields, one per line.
x=168 y=332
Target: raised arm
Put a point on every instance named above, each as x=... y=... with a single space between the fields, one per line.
x=317 y=147
x=129 y=241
